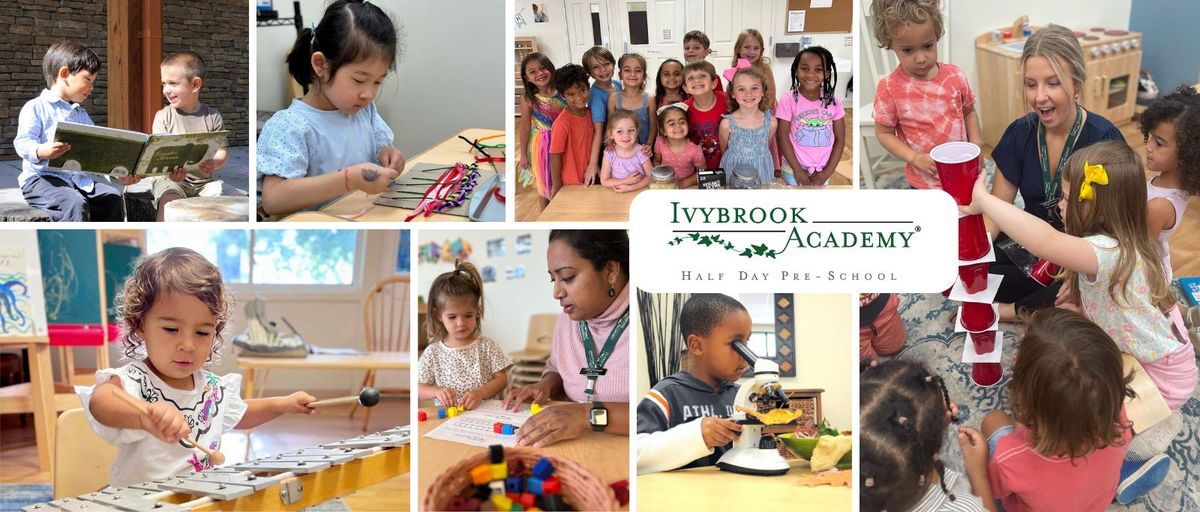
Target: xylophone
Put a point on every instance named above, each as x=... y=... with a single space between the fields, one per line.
x=288 y=481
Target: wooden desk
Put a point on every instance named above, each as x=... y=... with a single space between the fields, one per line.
x=448 y=152
x=601 y=204
x=606 y=455
x=712 y=489
x=368 y=361
x=40 y=394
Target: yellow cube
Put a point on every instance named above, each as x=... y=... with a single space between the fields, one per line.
x=500 y=471
x=502 y=502
x=535 y=408
x=452 y=412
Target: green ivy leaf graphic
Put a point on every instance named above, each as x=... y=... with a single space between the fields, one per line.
x=747 y=253
x=728 y=246
x=705 y=241
x=759 y=249
x=694 y=236
x=678 y=240
x=771 y=254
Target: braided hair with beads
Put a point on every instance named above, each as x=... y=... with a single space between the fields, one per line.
x=830 y=67
x=905 y=411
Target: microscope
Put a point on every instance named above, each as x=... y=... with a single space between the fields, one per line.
x=748 y=456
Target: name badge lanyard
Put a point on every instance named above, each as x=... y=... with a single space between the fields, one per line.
x=1050 y=179
x=595 y=362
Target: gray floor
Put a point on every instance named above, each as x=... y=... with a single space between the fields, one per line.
x=234 y=175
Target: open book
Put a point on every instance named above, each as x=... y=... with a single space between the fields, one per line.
x=120 y=153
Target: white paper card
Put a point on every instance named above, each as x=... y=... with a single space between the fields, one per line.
x=970 y=356
x=475 y=427
x=796 y=21
x=820 y=4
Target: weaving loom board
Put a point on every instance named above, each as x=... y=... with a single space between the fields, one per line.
x=408 y=182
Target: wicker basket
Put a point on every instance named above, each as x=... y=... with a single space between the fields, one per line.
x=582 y=489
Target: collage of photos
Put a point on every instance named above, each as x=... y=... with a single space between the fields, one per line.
x=587 y=328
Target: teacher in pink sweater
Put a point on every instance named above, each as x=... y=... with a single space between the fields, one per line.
x=589 y=357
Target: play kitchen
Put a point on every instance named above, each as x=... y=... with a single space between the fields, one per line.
x=1112 y=59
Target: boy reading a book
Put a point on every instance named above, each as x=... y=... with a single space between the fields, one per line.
x=69 y=68
x=182 y=78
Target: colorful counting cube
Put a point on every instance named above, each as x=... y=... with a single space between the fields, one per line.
x=554 y=502
x=452 y=412
x=517 y=507
x=496 y=456
x=534 y=408
x=551 y=486
x=527 y=500
x=533 y=485
x=497 y=487
x=508 y=430
x=502 y=502
x=543 y=469
x=499 y=472
x=497 y=427
x=621 y=490
x=481 y=474
x=516 y=466
x=441 y=414
x=421 y=416
x=513 y=484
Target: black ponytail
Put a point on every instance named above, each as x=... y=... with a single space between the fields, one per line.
x=350 y=31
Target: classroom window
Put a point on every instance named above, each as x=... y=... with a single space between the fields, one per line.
x=596 y=25
x=639 y=25
x=280 y=257
x=762 y=343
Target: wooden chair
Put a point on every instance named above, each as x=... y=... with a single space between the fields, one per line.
x=387 y=325
x=81 y=459
x=528 y=363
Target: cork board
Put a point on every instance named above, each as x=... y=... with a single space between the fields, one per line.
x=838 y=17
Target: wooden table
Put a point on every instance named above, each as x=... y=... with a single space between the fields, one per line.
x=601 y=204
x=606 y=455
x=712 y=489
x=448 y=152
x=368 y=361
x=41 y=394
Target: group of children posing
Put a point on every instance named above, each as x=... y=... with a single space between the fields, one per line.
x=1068 y=444
x=70 y=70
x=691 y=122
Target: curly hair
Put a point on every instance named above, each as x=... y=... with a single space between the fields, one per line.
x=904 y=414
x=569 y=76
x=888 y=16
x=1182 y=108
x=175 y=270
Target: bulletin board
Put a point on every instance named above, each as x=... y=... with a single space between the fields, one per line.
x=838 y=17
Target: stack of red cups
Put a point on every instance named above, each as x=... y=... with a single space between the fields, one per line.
x=958 y=167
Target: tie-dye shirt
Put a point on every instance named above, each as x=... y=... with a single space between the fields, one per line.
x=925 y=113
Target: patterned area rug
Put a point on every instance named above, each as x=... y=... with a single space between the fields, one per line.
x=929 y=319
x=15 y=496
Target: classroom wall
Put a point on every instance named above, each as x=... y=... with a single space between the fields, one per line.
x=436 y=90
x=825 y=343
x=552 y=40
x=508 y=304
x=1164 y=24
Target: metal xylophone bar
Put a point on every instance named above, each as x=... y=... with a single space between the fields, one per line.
x=288 y=481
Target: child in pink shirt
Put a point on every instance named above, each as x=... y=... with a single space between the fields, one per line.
x=923 y=103
x=1063 y=446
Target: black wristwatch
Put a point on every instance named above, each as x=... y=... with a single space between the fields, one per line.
x=598 y=416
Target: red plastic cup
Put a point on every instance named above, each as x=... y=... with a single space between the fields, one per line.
x=973 y=241
x=957 y=167
x=1043 y=272
x=986 y=374
x=977 y=316
x=985 y=341
x=974 y=277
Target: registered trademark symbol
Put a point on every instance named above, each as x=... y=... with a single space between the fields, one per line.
x=917 y=229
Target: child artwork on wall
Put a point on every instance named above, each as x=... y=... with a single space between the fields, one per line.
x=448 y=251
x=524 y=244
x=489 y=274
x=495 y=248
x=539 y=13
x=22 y=304
x=513 y=272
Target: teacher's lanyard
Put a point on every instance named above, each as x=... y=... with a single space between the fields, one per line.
x=1050 y=180
x=595 y=362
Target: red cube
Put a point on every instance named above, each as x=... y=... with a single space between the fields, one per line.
x=421 y=416
x=497 y=427
x=526 y=500
x=551 y=486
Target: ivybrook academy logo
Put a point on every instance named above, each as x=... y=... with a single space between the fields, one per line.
x=817 y=240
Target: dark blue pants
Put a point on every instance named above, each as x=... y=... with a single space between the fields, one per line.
x=63 y=201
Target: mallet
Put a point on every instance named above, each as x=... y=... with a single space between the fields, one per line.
x=216 y=457
x=367 y=397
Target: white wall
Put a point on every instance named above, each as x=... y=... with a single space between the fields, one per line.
x=552 y=40
x=507 y=304
x=446 y=79
x=826 y=351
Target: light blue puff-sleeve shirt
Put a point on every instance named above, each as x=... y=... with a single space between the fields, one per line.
x=304 y=141
x=39 y=117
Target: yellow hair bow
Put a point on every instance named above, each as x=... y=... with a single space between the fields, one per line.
x=1092 y=174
